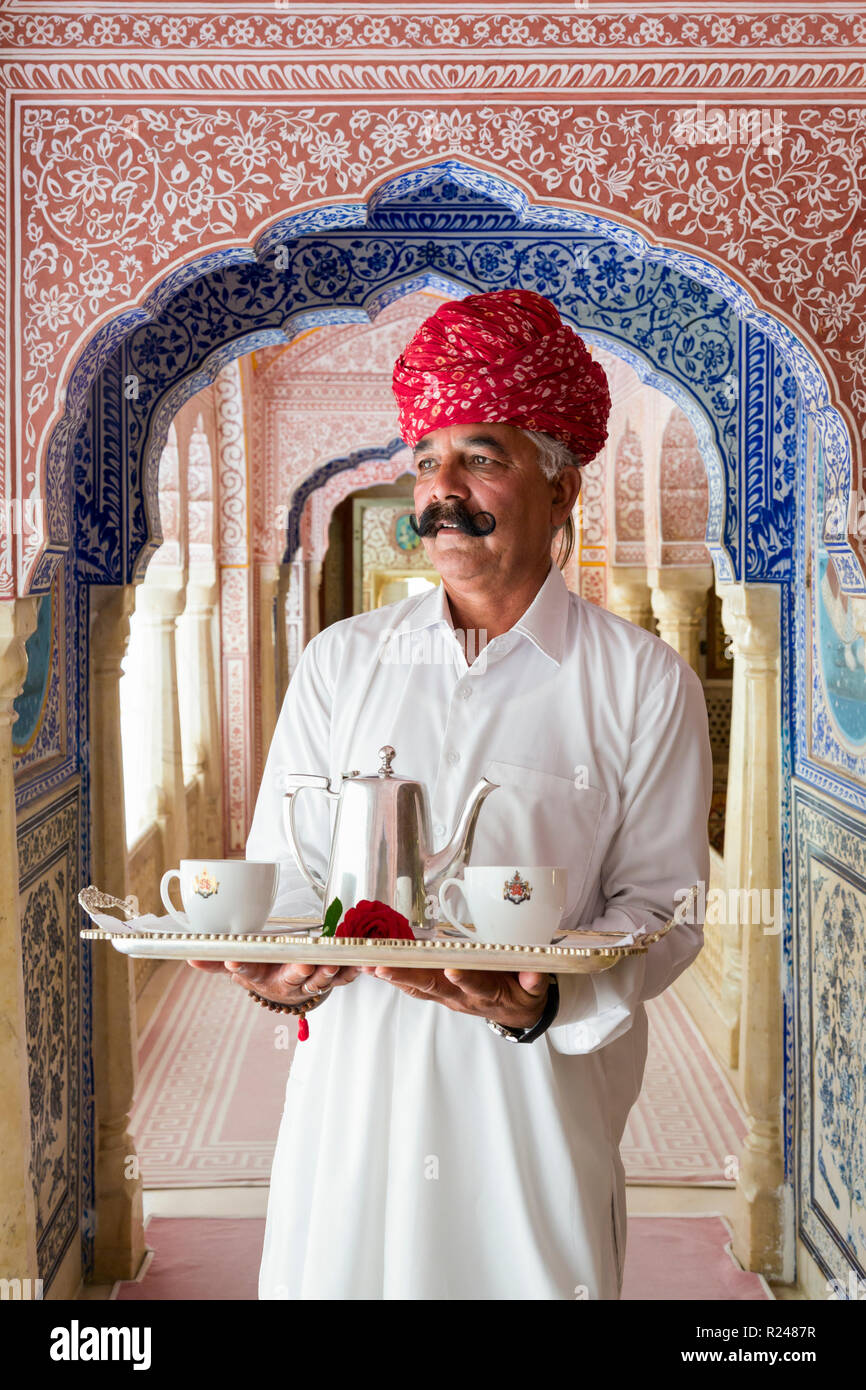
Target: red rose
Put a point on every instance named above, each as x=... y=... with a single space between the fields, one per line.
x=375 y=919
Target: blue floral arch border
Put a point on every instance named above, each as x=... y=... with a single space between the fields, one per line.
x=764 y=344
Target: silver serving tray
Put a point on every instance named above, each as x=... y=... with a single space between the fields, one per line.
x=574 y=952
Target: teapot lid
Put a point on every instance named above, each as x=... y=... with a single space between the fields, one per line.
x=386 y=772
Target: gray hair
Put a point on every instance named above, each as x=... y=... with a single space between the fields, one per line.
x=552 y=456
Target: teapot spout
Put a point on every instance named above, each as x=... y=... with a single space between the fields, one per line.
x=451 y=860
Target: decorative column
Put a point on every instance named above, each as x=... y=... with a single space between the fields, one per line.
x=17 y=1206
x=199 y=695
x=159 y=606
x=296 y=602
x=629 y=596
x=269 y=584
x=237 y=605
x=119 y=1242
x=753 y=862
x=282 y=632
x=679 y=600
x=731 y=932
x=312 y=582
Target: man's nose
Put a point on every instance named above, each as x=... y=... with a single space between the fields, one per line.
x=449 y=480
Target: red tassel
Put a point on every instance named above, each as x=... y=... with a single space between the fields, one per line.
x=303 y=1029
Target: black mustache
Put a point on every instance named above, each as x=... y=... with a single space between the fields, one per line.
x=474 y=524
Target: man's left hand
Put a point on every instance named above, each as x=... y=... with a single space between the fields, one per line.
x=514 y=1000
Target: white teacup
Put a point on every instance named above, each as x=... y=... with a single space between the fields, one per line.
x=513 y=907
x=222 y=895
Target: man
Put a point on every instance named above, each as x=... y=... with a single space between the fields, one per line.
x=422 y=1155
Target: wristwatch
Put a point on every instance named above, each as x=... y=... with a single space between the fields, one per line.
x=528 y=1035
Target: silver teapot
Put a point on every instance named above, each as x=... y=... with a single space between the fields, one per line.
x=380 y=845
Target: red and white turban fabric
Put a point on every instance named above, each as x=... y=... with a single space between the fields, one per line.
x=502 y=358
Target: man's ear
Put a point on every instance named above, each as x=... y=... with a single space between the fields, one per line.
x=566 y=488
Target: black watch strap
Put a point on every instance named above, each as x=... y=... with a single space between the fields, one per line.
x=529 y=1035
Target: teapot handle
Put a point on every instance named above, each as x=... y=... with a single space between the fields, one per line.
x=302 y=781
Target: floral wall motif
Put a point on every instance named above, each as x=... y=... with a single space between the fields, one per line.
x=629 y=500
x=236 y=610
x=683 y=495
x=171 y=552
x=200 y=500
x=57 y=1019
x=139 y=180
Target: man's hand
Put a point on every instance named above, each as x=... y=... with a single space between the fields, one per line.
x=514 y=1000
x=282 y=984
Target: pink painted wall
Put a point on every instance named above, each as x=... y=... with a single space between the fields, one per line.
x=135 y=139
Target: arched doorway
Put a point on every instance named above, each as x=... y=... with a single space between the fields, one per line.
x=681 y=323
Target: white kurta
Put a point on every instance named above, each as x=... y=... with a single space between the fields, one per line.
x=421 y=1156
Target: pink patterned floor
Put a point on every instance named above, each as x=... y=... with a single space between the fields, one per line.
x=213 y=1069
x=212 y=1077
x=668 y=1258
x=687 y=1126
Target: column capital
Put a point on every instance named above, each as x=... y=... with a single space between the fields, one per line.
x=201 y=598
x=160 y=603
x=17 y=621
x=680 y=578
x=679 y=605
x=628 y=574
x=111 y=606
x=679 y=600
x=750 y=617
x=629 y=595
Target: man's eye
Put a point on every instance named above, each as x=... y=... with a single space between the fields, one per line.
x=481 y=458
x=420 y=464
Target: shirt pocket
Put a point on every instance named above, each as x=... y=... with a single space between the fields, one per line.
x=539 y=818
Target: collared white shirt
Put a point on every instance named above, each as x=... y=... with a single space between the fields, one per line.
x=596 y=733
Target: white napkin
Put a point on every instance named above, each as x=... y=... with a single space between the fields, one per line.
x=147 y=922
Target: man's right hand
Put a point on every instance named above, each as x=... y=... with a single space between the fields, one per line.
x=282 y=984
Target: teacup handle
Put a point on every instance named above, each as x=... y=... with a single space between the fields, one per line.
x=443 y=888
x=179 y=917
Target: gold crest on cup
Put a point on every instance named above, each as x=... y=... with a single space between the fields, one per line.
x=204 y=885
x=517 y=889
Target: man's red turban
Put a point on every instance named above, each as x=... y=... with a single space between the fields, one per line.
x=507 y=358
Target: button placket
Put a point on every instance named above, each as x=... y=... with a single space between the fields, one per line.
x=444 y=803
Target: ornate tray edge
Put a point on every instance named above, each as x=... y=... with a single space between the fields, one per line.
x=448 y=943
x=418 y=944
